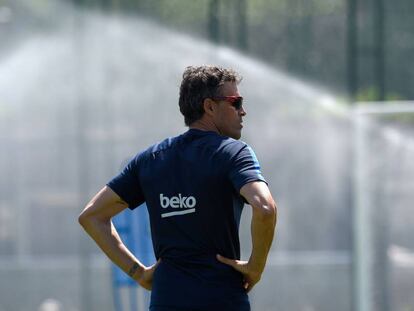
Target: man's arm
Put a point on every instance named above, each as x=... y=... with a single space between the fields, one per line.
x=262 y=229
x=96 y=220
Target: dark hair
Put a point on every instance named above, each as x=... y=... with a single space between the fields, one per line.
x=200 y=83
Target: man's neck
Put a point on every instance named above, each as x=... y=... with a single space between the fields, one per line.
x=204 y=126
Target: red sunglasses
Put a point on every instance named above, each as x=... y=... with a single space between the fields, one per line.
x=236 y=101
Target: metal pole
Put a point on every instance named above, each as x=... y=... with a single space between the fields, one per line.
x=352 y=49
x=242 y=25
x=362 y=238
x=381 y=219
x=22 y=192
x=379 y=26
x=214 y=21
x=82 y=159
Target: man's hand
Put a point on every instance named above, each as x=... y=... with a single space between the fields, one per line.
x=262 y=228
x=250 y=275
x=145 y=278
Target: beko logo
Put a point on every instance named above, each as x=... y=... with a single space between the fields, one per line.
x=186 y=204
x=177 y=202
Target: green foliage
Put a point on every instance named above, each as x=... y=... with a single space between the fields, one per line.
x=305 y=37
x=372 y=93
x=295 y=8
x=183 y=15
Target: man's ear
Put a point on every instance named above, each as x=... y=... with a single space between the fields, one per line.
x=209 y=106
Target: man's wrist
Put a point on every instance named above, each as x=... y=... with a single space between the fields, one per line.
x=135 y=271
x=257 y=264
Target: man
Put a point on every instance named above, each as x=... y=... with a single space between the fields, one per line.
x=195 y=186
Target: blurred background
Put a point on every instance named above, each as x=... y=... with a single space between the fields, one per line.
x=86 y=84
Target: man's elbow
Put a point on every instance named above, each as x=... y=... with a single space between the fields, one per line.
x=266 y=212
x=85 y=218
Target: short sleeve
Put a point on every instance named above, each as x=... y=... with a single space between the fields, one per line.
x=127 y=185
x=245 y=168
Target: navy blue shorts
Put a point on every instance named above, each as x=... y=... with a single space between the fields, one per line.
x=175 y=289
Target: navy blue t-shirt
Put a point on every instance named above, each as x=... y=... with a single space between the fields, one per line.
x=191 y=185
